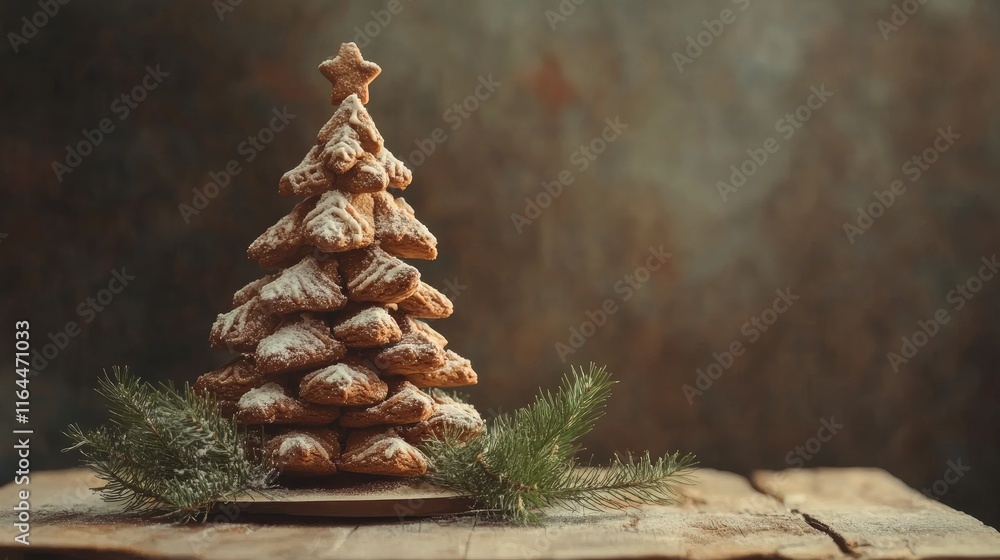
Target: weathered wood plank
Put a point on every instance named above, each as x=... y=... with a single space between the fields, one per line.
x=875 y=515
x=722 y=516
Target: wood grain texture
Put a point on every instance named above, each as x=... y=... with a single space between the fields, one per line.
x=722 y=516
x=365 y=498
x=874 y=515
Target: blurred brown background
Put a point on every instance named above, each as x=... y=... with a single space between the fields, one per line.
x=519 y=293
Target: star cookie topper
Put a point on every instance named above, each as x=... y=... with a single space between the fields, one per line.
x=349 y=73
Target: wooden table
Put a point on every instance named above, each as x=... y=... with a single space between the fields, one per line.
x=819 y=513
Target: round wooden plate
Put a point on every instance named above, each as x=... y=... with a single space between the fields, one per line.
x=356 y=497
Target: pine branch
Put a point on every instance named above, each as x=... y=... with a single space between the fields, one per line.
x=167 y=451
x=527 y=461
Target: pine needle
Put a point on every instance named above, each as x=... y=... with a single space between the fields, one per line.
x=167 y=451
x=527 y=461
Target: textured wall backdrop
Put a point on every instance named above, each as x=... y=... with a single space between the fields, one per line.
x=632 y=115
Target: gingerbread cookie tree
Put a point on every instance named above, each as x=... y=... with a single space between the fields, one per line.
x=335 y=352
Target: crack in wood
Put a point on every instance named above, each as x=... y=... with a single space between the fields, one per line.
x=838 y=539
x=468 y=541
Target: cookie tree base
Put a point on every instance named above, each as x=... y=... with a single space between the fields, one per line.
x=352 y=496
x=844 y=514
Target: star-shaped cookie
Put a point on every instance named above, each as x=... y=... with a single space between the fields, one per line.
x=349 y=73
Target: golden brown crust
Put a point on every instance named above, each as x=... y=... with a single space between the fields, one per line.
x=349 y=383
x=398 y=230
x=244 y=327
x=450 y=416
x=340 y=222
x=303 y=342
x=405 y=405
x=305 y=451
x=433 y=334
x=367 y=327
x=310 y=177
x=399 y=175
x=367 y=176
x=415 y=352
x=311 y=285
x=427 y=303
x=349 y=133
x=248 y=292
x=349 y=73
x=456 y=372
x=372 y=275
x=334 y=351
x=230 y=381
x=269 y=404
x=281 y=244
x=381 y=451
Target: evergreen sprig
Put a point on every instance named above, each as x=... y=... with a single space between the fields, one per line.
x=527 y=461
x=167 y=451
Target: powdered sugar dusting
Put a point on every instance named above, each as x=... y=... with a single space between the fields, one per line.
x=399 y=175
x=225 y=321
x=384 y=270
x=246 y=293
x=305 y=285
x=396 y=219
x=396 y=445
x=300 y=442
x=408 y=398
x=459 y=415
x=344 y=147
x=285 y=233
x=360 y=118
x=307 y=178
x=367 y=319
x=387 y=446
x=336 y=223
x=292 y=340
x=243 y=327
x=262 y=397
x=341 y=376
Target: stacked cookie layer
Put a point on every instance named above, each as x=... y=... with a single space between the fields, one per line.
x=337 y=361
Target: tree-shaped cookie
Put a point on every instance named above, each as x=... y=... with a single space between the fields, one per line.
x=335 y=354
